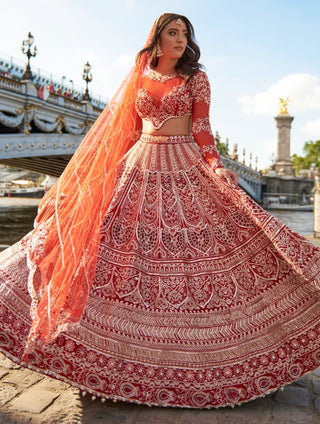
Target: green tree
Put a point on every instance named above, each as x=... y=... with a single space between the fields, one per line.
x=222 y=147
x=311 y=158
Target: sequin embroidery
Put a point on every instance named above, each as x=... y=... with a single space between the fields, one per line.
x=169 y=96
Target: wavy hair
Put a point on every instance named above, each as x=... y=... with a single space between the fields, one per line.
x=189 y=62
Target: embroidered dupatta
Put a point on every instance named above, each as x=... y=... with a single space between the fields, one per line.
x=63 y=247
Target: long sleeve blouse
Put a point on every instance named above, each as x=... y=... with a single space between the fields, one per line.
x=164 y=97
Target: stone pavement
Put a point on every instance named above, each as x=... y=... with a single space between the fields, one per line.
x=30 y=398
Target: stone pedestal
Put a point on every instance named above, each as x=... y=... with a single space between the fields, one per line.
x=29 y=89
x=283 y=164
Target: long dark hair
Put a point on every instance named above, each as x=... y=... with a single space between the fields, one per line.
x=189 y=62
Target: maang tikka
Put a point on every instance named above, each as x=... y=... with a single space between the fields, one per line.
x=179 y=21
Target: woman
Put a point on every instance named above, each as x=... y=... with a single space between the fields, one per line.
x=150 y=276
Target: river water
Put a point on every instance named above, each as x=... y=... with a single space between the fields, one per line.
x=17 y=216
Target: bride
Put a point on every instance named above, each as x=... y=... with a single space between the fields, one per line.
x=150 y=276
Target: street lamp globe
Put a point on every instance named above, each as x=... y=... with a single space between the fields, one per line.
x=29 y=40
x=26 y=49
x=87 y=77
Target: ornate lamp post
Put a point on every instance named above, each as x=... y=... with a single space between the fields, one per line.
x=26 y=49
x=87 y=76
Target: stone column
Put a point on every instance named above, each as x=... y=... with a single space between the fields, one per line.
x=316 y=210
x=283 y=165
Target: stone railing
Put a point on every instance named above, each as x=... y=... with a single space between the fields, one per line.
x=11 y=84
x=249 y=180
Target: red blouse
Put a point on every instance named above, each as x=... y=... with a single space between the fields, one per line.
x=164 y=97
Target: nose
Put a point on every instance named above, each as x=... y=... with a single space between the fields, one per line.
x=181 y=38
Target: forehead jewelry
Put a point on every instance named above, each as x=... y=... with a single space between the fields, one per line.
x=179 y=21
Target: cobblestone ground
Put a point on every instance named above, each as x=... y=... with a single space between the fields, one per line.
x=30 y=398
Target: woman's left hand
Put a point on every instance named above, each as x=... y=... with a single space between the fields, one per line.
x=227 y=175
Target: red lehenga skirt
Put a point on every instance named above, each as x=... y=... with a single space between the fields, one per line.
x=201 y=298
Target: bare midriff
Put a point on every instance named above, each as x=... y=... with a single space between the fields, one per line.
x=173 y=126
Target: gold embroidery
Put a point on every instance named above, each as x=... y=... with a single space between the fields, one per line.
x=201 y=125
x=210 y=148
x=200 y=88
x=175 y=104
x=156 y=76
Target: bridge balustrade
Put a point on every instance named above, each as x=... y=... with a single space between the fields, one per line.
x=250 y=180
x=37 y=134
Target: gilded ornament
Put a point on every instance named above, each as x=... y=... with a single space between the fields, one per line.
x=179 y=21
x=283 y=106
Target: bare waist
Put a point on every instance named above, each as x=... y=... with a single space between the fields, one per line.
x=175 y=126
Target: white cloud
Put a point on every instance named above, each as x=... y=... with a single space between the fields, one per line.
x=313 y=128
x=302 y=89
x=125 y=61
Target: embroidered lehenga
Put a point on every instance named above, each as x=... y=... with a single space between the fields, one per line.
x=200 y=297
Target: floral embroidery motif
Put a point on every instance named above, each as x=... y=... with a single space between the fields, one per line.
x=37 y=243
x=183 y=99
x=175 y=104
x=211 y=148
x=216 y=163
x=201 y=125
x=214 y=160
x=200 y=88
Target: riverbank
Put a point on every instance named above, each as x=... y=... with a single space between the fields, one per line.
x=10 y=202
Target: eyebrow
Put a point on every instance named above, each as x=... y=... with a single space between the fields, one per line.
x=176 y=29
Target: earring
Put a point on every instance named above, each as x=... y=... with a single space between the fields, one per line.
x=159 y=51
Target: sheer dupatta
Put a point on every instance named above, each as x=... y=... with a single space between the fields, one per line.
x=63 y=247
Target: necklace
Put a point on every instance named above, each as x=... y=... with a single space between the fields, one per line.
x=156 y=76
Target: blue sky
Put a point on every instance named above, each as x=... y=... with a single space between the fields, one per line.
x=254 y=51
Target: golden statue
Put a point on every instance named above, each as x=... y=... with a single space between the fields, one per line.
x=283 y=106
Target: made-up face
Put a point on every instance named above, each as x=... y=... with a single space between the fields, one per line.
x=174 y=39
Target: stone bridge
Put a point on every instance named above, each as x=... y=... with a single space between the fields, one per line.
x=37 y=134
x=250 y=180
